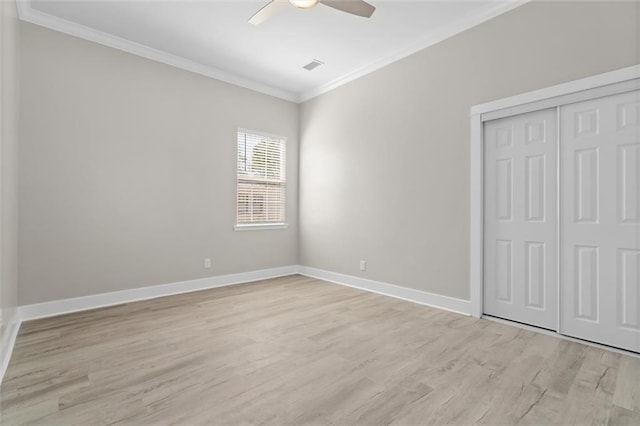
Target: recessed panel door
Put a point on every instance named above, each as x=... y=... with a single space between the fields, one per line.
x=520 y=271
x=600 y=226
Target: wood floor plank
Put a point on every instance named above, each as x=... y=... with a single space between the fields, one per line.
x=296 y=350
x=627 y=391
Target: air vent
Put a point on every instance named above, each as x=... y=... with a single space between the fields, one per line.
x=313 y=65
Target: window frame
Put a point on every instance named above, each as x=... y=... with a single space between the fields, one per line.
x=261 y=225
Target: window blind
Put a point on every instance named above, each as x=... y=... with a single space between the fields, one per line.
x=261 y=178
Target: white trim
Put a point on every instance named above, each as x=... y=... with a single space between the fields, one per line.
x=422 y=297
x=65 y=306
x=8 y=342
x=592 y=82
x=570 y=98
x=77 y=304
x=558 y=223
x=476 y=215
x=607 y=82
x=29 y=14
x=433 y=38
x=260 y=226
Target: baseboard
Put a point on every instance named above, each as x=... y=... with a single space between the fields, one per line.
x=7 y=343
x=65 y=306
x=422 y=297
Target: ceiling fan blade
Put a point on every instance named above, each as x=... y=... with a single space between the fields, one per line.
x=267 y=11
x=354 y=7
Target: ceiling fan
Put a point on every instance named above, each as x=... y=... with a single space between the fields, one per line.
x=354 y=7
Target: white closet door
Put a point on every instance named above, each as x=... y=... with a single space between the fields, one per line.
x=600 y=227
x=520 y=281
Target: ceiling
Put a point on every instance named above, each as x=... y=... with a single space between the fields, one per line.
x=213 y=37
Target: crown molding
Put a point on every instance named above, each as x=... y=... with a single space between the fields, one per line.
x=435 y=37
x=33 y=16
x=28 y=14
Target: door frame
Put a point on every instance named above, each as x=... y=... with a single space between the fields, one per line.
x=609 y=83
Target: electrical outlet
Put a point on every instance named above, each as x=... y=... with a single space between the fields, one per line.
x=207 y=263
x=363 y=265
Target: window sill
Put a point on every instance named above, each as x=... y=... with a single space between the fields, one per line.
x=260 y=226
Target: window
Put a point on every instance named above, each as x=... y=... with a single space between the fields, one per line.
x=261 y=181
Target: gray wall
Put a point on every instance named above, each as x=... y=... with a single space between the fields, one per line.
x=127 y=172
x=384 y=160
x=9 y=74
x=127 y=166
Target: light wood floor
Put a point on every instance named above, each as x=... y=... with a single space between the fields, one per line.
x=295 y=350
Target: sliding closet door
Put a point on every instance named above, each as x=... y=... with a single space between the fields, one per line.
x=520 y=281
x=600 y=227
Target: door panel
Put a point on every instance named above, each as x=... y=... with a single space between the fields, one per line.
x=520 y=218
x=600 y=226
x=585 y=183
x=504 y=191
x=629 y=276
x=587 y=289
x=504 y=271
x=534 y=185
x=628 y=181
x=534 y=275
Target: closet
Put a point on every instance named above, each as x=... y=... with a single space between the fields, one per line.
x=562 y=219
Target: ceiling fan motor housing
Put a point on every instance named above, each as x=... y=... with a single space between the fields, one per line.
x=303 y=4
